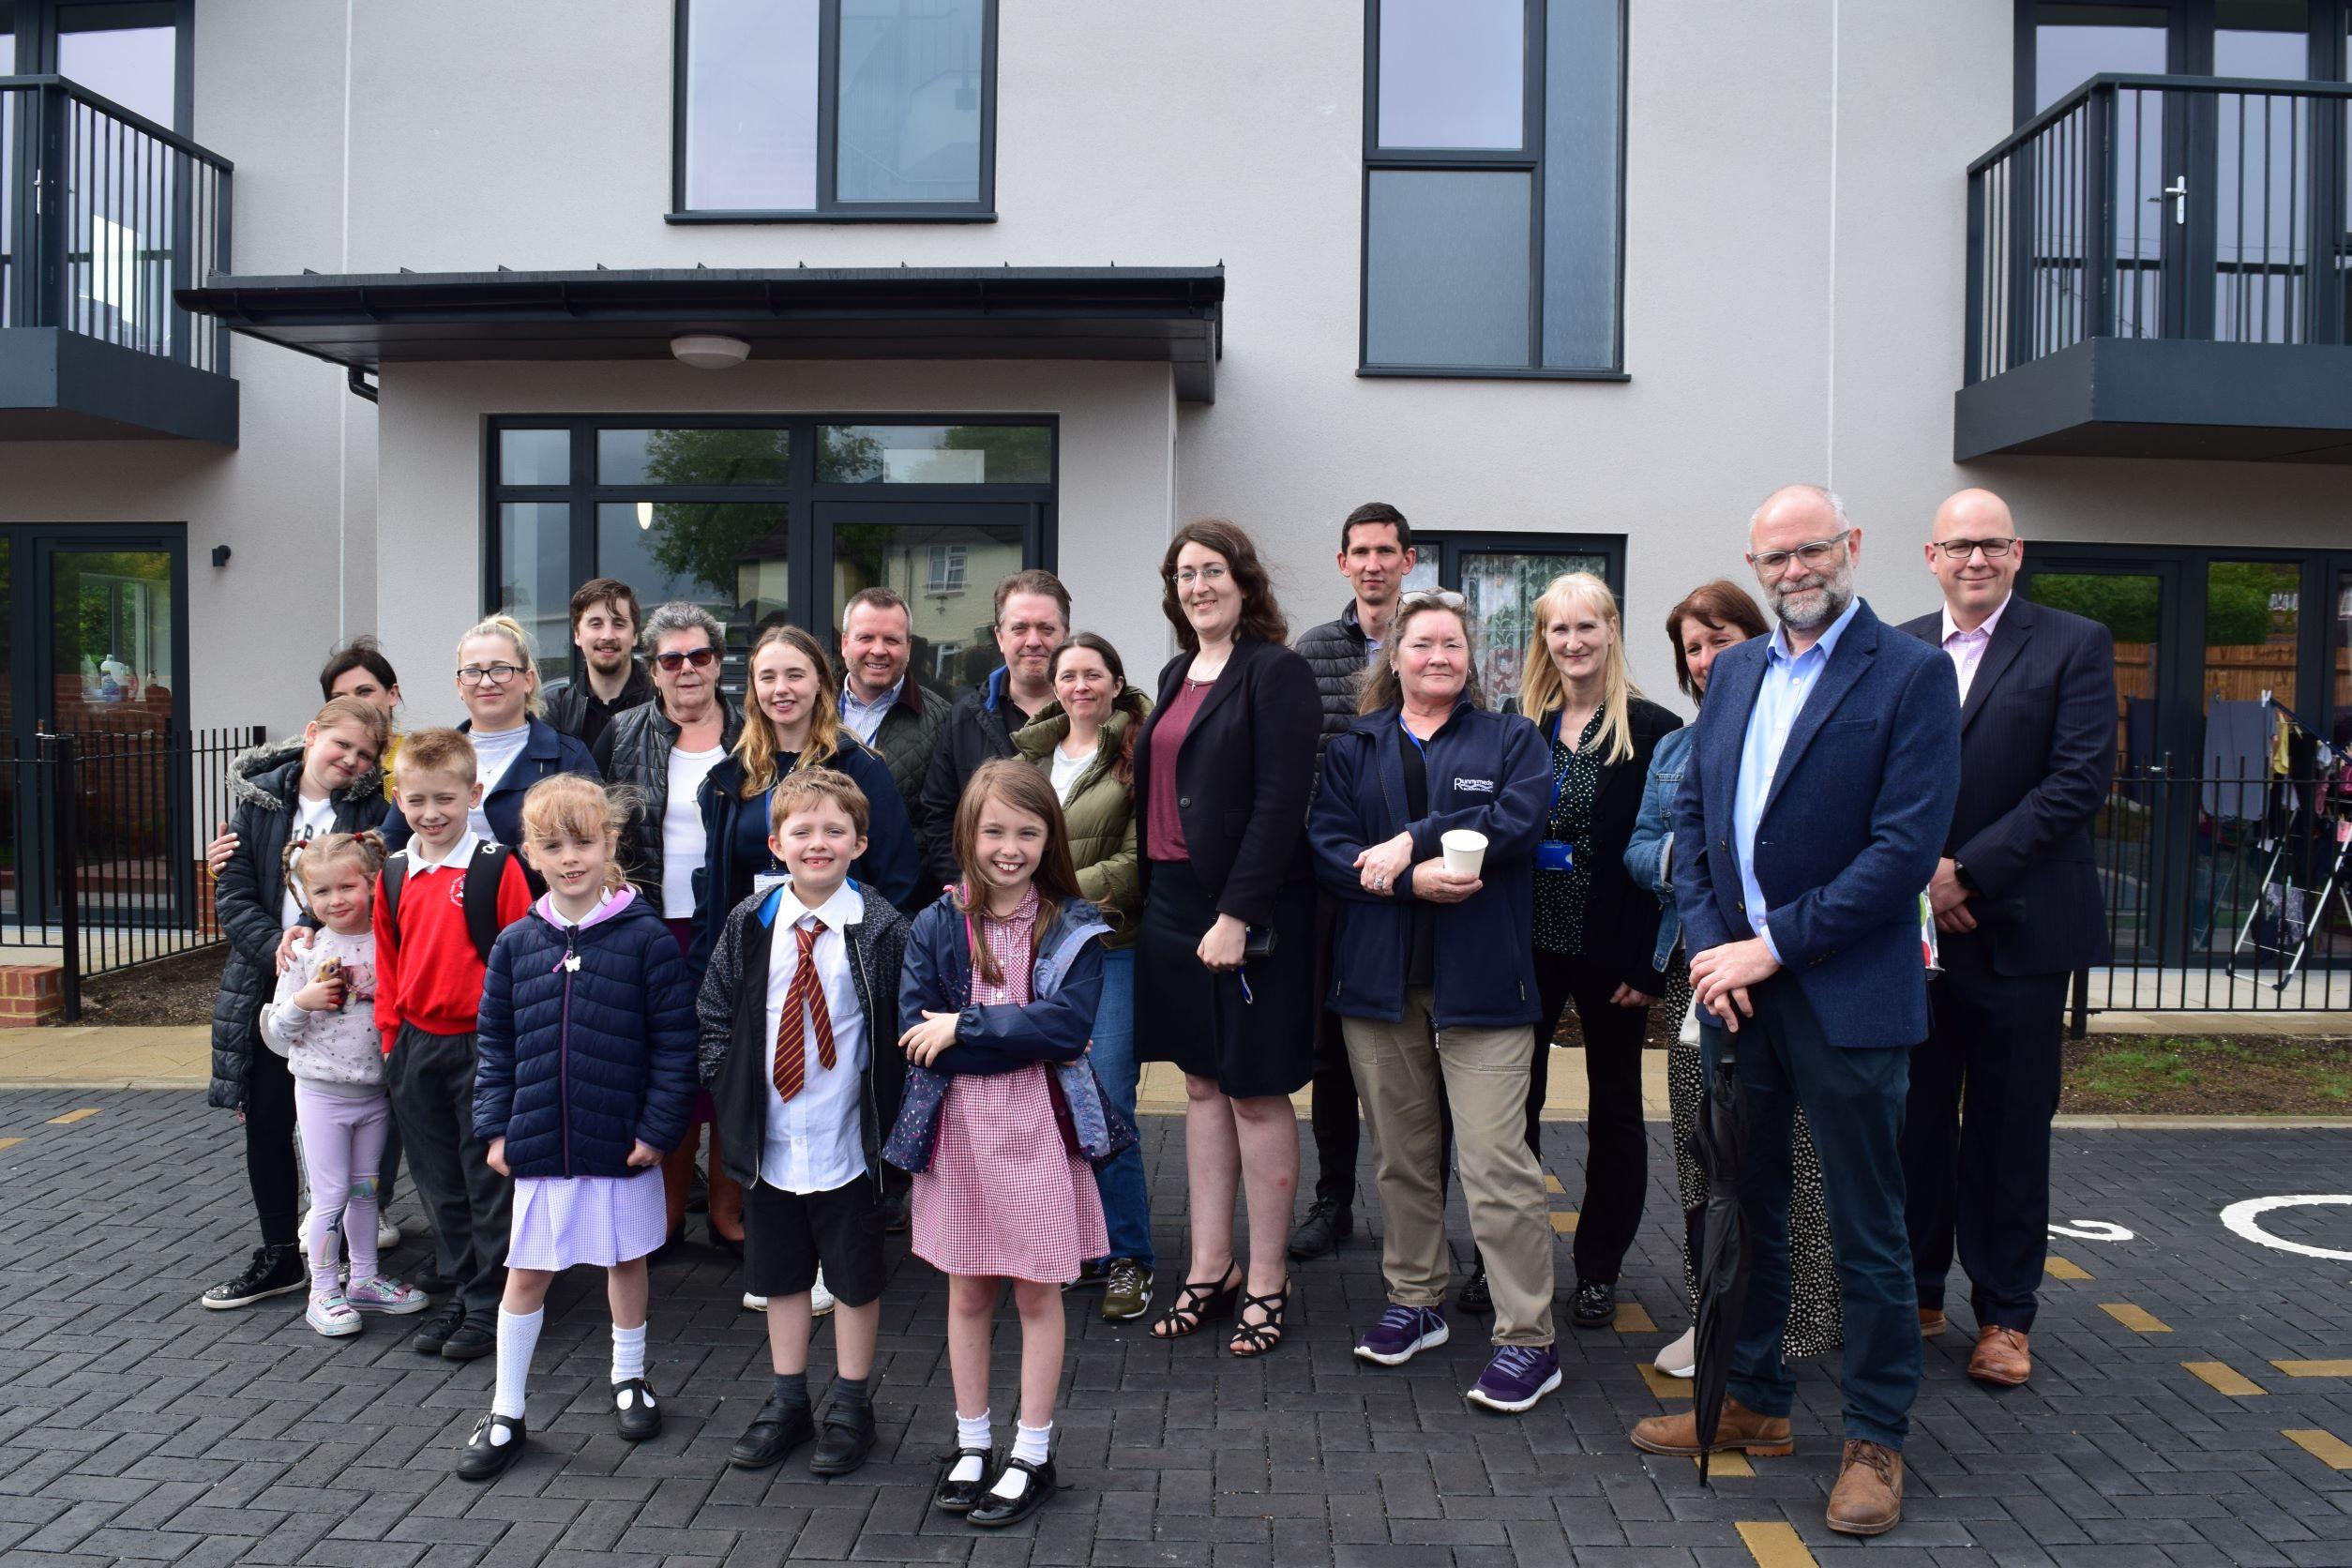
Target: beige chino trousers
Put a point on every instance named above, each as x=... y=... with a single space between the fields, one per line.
x=1396 y=1067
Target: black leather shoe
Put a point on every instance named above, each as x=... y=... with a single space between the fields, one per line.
x=1473 y=1296
x=435 y=1332
x=469 y=1341
x=961 y=1496
x=482 y=1458
x=844 y=1439
x=1327 y=1224
x=429 y=1279
x=776 y=1432
x=636 y=1410
x=995 y=1512
x=1595 y=1305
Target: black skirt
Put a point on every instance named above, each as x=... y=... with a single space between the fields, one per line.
x=1253 y=1041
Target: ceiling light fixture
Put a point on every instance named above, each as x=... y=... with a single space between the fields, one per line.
x=709 y=351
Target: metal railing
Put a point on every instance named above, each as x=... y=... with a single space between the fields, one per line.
x=103 y=214
x=2162 y=206
x=104 y=863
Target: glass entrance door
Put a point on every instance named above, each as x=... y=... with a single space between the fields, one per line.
x=944 y=559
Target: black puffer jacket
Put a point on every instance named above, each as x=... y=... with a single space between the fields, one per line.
x=980 y=726
x=249 y=897
x=1339 y=654
x=635 y=750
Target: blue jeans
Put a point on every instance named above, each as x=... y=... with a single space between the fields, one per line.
x=1853 y=1100
x=1126 y=1206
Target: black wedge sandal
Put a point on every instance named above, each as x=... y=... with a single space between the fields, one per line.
x=1200 y=1302
x=1252 y=1340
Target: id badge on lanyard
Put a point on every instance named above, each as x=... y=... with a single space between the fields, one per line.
x=1554 y=854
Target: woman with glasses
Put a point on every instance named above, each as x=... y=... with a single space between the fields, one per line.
x=1712 y=617
x=1225 y=966
x=1595 y=931
x=498 y=681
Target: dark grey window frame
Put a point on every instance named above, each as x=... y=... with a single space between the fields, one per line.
x=801 y=494
x=828 y=208
x=1448 y=546
x=2188 y=43
x=1527 y=159
x=37 y=48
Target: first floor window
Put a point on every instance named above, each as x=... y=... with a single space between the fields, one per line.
x=1499 y=577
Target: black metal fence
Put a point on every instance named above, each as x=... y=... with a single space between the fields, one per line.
x=104 y=863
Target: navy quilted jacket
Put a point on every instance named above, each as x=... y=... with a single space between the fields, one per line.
x=577 y=1063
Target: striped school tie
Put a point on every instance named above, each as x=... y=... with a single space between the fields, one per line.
x=804 y=999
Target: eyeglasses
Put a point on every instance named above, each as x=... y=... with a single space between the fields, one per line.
x=496 y=674
x=1960 y=549
x=1445 y=599
x=1772 y=562
x=673 y=661
x=1211 y=573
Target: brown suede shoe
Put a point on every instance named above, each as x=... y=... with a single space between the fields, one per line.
x=2001 y=1357
x=1868 y=1500
x=1931 y=1321
x=1740 y=1427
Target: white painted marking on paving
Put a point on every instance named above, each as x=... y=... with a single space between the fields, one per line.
x=2092 y=1230
x=2245 y=1217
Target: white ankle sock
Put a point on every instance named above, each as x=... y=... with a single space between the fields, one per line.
x=972 y=1431
x=1031 y=1446
x=628 y=1353
x=518 y=1337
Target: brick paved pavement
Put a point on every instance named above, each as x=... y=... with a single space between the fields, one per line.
x=134 y=1426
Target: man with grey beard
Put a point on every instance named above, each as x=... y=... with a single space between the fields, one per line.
x=1818 y=794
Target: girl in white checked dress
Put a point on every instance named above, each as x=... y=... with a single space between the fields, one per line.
x=1000 y=982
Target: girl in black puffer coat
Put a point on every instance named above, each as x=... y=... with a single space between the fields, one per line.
x=333 y=786
x=584 y=1079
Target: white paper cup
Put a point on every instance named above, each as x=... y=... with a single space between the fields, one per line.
x=1465 y=851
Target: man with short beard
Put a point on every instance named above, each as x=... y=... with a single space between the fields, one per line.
x=1033 y=619
x=605 y=618
x=1818 y=790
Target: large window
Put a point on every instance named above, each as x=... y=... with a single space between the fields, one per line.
x=765 y=521
x=834 y=110
x=1500 y=575
x=1493 y=189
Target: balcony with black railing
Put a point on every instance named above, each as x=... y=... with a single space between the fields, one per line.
x=2159 y=267
x=103 y=215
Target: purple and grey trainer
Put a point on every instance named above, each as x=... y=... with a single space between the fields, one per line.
x=1402 y=1334
x=1517 y=1376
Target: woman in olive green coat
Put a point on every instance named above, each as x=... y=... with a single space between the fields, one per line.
x=1084 y=740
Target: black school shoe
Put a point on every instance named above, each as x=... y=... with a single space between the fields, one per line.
x=635 y=1410
x=995 y=1511
x=275 y=1271
x=776 y=1432
x=470 y=1341
x=435 y=1332
x=844 y=1439
x=961 y=1496
x=1594 y=1306
x=1475 y=1296
x=483 y=1459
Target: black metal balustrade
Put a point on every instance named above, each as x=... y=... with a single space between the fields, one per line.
x=103 y=214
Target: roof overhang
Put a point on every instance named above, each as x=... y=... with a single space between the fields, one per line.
x=368 y=320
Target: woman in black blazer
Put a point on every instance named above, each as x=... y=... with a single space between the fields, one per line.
x=1225 y=970
x=1596 y=933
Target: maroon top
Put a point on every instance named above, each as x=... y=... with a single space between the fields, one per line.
x=1163 y=829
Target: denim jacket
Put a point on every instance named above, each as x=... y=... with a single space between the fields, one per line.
x=1649 y=852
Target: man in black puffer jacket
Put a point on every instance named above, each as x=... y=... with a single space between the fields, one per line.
x=1033 y=619
x=1376 y=554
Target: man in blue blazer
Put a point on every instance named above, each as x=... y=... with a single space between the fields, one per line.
x=1816 y=796
x=2016 y=901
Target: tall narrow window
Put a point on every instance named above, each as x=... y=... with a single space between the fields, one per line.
x=1493 y=150
x=835 y=109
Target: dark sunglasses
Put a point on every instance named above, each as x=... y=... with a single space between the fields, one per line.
x=673 y=661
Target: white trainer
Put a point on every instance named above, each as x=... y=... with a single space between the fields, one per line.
x=332 y=1316
x=1680 y=1359
x=388 y=1234
x=754 y=1304
x=819 y=1299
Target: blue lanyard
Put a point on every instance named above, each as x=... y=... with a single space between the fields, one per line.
x=1551 y=735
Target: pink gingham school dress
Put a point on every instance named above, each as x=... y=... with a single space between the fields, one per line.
x=1004 y=1196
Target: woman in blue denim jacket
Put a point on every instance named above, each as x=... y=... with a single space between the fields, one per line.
x=1715 y=617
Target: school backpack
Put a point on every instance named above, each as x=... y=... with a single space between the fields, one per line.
x=482 y=876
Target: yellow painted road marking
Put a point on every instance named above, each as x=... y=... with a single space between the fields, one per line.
x=1661 y=1385
x=2326 y=1447
x=72 y=1116
x=1732 y=1463
x=2224 y=1378
x=1632 y=1318
x=1564 y=1221
x=2314 y=1368
x=2137 y=1318
x=2063 y=1268
x=9 y=1142
x=1774 y=1544
x=1551 y=1183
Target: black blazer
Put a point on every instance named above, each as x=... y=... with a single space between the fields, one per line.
x=1621 y=918
x=1242 y=776
x=2037 y=753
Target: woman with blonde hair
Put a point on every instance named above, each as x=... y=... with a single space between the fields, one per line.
x=498 y=681
x=1595 y=931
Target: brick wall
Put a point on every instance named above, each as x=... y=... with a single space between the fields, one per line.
x=30 y=994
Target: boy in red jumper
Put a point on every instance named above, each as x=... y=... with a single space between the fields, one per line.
x=440 y=904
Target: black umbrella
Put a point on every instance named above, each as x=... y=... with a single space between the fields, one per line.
x=1725 y=1253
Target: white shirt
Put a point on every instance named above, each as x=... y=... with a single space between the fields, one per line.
x=1967 y=648
x=460 y=855
x=1066 y=771
x=865 y=719
x=311 y=819
x=682 y=845
x=494 y=754
x=813 y=1143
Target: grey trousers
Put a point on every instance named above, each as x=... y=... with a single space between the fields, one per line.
x=469 y=1205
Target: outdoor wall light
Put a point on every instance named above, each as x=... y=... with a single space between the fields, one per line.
x=645 y=516
x=708 y=351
